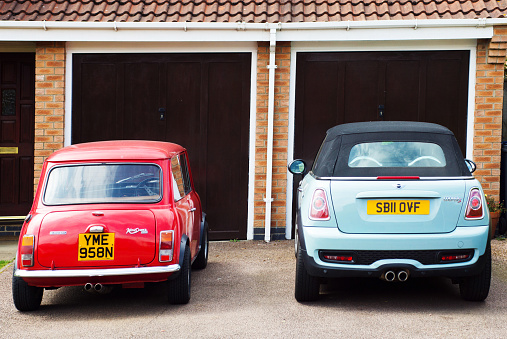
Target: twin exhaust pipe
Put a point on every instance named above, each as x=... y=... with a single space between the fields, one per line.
x=88 y=287
x=391 y=276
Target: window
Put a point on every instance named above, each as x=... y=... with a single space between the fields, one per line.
x=396 y=154
x=104 y=183
x=177 y=178
x=8 y=102
x=186 y=175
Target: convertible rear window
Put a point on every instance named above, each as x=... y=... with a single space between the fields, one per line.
x=103 y=183
x=396 y=154
x=376 y=154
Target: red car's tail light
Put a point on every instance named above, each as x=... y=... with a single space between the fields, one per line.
x=475 y=208
x=319 y=207
x=166 y=246
x=27 y=244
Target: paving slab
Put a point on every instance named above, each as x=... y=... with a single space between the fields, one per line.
x=8 y=249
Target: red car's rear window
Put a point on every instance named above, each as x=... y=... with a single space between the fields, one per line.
x=103 y=183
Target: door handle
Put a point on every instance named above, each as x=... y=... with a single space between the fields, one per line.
x=192 y=209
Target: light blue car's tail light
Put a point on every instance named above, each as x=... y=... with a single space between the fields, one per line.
x=475 y=206
x=319 y=209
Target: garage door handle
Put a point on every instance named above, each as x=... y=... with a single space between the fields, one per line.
x=161 y=113
x=192 y=209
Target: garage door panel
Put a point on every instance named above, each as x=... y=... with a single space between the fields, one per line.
x=427 y=86
x=182 y=105
x=205 y=103
x=443 y=97
x=320 y=82
x=225 y=93
x=97 y=103
x=361 y=91
x=402 y=95
x=142 y=101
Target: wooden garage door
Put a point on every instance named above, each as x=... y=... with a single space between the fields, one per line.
x=200 y=101
x=17 y=91
x=337 y=88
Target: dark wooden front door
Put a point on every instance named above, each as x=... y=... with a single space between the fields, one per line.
x=17 y=91
x=337 y=88
x=201 y=101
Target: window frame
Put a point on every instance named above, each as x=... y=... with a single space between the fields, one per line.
x=48 y=174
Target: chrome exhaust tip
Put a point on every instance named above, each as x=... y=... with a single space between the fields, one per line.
x=389 y=276
x=403 y=275
x=103 y=289
x=88 y=287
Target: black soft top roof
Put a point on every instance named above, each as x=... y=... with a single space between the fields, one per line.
x=386 y=126
x=332 y=159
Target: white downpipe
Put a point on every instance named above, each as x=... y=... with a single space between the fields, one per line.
x=271 y=111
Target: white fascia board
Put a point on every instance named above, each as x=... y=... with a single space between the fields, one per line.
x=214 y=31
x=131 y=35
x=383 y=34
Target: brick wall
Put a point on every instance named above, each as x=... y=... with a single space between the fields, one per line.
x=49 y=102
x=280 y=141
x=488 y=110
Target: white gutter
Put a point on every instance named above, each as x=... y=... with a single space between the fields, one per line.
x=271 y=112
x=438 y=29
x=372 y=24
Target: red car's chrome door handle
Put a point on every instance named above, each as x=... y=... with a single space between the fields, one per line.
x=192 y=209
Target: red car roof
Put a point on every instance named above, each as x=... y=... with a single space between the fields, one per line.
x=117 y=150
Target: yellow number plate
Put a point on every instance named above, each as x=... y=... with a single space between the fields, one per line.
x=96 y=246
x=388 y=207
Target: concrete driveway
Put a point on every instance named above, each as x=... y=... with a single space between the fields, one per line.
x=247 y=292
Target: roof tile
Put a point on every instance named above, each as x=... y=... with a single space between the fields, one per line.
x=248 y=10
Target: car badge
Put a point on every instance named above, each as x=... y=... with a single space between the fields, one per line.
x=57 y=232
x=137 y=230
x=399 y=186
x=457 y=199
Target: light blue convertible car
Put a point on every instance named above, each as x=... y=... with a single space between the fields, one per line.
x=392 y=200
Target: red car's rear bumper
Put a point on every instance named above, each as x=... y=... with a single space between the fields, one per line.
x=61 y=277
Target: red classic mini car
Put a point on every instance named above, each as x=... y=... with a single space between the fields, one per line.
x=112 y=213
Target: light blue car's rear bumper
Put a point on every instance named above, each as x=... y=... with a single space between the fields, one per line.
x=316 y=239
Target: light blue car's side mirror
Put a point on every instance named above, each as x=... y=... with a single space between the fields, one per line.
x=297 y=166
x=471 y=165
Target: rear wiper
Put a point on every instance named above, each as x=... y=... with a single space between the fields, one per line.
x=135 y=177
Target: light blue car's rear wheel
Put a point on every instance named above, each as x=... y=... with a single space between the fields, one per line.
x=476 y=288
x=307 y=286
x=296 y=238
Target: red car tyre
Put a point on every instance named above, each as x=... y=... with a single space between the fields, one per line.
x=179 y=288
x=26 y=297
x=202 y=258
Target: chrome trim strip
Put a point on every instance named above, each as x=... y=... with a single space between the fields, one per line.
x=375 y=178
x=107 y=272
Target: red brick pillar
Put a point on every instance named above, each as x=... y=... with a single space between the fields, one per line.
x=280 y=139
x=49 y=102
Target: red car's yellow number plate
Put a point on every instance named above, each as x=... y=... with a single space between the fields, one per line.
x=96 y=246
x=390 y=207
